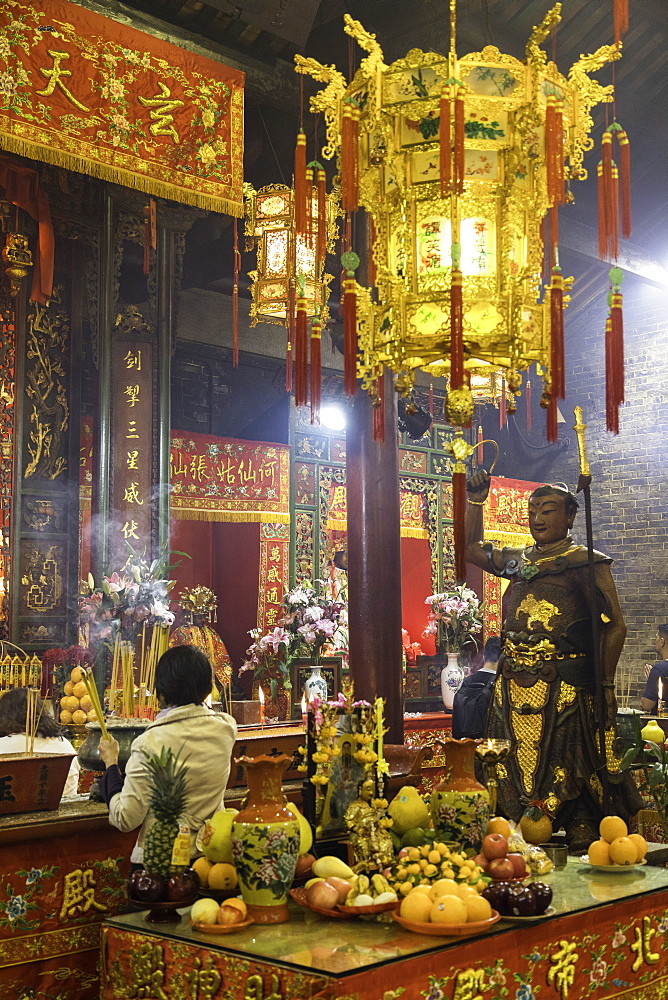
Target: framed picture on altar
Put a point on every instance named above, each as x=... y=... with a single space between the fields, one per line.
x=330 y=670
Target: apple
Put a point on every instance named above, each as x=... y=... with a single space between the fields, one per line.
x=481 y=861
x=230 y=915
x=543 y=894
x=322 y=894
x=496 y=895
x=519 y=864
x=148 y=888
x=402 y=853
x=304 y=864
x=501 y=869
x=341 y=885
x=524 y=904
x=182 y=886
x=494 y=845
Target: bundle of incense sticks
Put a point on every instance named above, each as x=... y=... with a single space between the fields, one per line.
x=32 y=719
x=91 y=691
x=137 y=688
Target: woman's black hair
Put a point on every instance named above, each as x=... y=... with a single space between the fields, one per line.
x=183 y=676
x=13 y=715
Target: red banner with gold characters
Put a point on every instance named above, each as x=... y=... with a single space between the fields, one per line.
x=506 y=526
x=90 y=94
x=412 y=509
x=222 y=479
x=274 y=574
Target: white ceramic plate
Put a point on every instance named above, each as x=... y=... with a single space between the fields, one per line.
x=612 y=868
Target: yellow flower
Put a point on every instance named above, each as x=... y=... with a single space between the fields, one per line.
x=207 y=153
x=208 y=119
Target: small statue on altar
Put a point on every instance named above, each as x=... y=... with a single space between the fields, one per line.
x=368 y=824
x=199 y=605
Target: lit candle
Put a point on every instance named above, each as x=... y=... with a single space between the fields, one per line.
x=659 y=703
x=379 y=728
x=260 y=694
x=304 y=714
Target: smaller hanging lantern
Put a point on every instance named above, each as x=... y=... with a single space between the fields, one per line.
x=17 y=259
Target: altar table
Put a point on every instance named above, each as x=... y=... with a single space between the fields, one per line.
x=608 y=938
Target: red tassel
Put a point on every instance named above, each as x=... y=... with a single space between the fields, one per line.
x=480 y=446
x=608 y=191
x=147 y=239
x=301 y=354
x=291 y=324
x=456 y=336
x=611 y=411
x=316 y=371
x=371 y=260
x=309 y=205
x=431 y=399
x=617 y=347
x=288 y=367
x=527 y=396
x=235 y=298
x=621 y=19
x=350 y=336
x=379 y=412
x=458 y=523
x=614 y=213
x=602 y=210
x=557 y=335
x=301 y=223
x=321 y=249
x=458 y=179
x=444 y=145
x=502 y=405
x=552 y=435
x=554 y=150
x=625 y=180
x=349 y=158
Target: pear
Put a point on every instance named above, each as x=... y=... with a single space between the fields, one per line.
x=305 y=832
x=408 y=810
x=217 y=837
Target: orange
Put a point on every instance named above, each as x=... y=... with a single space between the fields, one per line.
x=222 y=876
x=623 y=851
x=465 y=890
x=68 y=688
x=416 y=907
x=424 y=889
x=79 y=690
x=79 y=718
x=65 y=717
x=497 y=824
x=239 y=903
x=76 y=674
x=85 y=704
x=599 y=853
x=202 y=866
x=71 y=703
x=448 y=910
x=444 y=887
x=641 y=845
x=477 y=908
x=612 y=827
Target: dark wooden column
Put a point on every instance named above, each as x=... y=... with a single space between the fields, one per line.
x=374 y=558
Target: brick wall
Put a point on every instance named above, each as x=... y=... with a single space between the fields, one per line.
x=630 y=471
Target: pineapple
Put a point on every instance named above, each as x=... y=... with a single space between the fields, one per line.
x=167 y=802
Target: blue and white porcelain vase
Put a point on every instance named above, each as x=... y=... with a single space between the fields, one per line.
x=452 y=676
x=315 y=684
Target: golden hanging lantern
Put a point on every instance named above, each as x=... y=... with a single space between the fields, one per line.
x=287 y=263
x=17 y=258
x=457 y=162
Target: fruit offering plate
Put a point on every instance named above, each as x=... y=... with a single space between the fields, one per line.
x=222 y=928
x=512 y=919
x=163 y=911
x=340 y=912
x=448 y=930
x=612 y=868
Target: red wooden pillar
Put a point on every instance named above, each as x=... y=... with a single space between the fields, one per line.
x=374 y=558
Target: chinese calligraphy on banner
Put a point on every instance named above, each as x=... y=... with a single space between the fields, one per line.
x=132 y=422
x=274 y=574
x=222 y=479
x=506 y=524
x=412 y=510
x=93 y=95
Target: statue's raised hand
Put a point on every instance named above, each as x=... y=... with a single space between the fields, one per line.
x=477 y=486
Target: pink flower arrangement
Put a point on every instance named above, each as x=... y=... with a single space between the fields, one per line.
x=455 y=618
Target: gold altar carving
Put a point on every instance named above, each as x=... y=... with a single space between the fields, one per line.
x=41 y=578
x=47 y=345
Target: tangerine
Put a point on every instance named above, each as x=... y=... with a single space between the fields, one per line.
x=239 y=903
x=477 y=908
x=623 y=851
x=498 y=824
x=612 y=827
x=599 y=853
x=202 y=866
x=79 y=718
x=416 y=906
x=641 y=845
x=79 y=690
x=65 y=717
x=68 y=687
x=222 y=876
x=76 y=675
x=448 y=910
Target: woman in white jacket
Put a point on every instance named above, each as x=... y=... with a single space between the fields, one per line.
x=183 y=679
x=48 y=737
